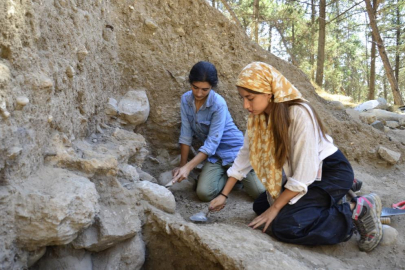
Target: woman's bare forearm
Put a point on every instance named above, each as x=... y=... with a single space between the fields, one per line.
x=284 y=198
x=184 y=150
x=229 y=185
x=200 y=157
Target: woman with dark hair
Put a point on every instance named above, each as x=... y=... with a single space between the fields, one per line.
x=205 y=115
x=285 y=133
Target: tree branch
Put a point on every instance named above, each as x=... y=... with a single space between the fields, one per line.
x=344 y=12
x=229 y=9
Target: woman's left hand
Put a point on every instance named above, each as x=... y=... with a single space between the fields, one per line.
x=217 y=204
x=265 y=218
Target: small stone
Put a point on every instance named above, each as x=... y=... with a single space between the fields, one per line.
x=401 y=121
x=94 y=140
x=46 y=83
x=390 y=156
x=390 y=236
x=21 y=102
x=367 y=118
x=378 y=125
x=111 y=107
x=5 y=74
x=392 y=124
x=99 y=129
x=154 y=160
x=3 y=106
x=107 y=34
x=34 y=256
x=337 y=105
x=144 y=176
x=165 y=178
x=70 y=72
x=151 y=24
x=82 y=53
x=50 y=118
x=5 y=114
x=180 y=31
x=13 y=152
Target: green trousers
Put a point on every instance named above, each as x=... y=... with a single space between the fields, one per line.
x=213 y=178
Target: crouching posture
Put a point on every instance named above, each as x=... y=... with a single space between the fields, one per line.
x=205 y=116
x=285 y=133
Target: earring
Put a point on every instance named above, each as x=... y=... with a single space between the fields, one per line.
x=269 y=99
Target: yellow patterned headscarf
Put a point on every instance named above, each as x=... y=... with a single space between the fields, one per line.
x=263 y=78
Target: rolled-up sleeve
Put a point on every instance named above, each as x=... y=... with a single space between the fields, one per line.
x=216 y=130
x=186 y=133
x=241 y=166
x=304 y=153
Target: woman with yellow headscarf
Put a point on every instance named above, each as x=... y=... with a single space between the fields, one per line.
x=284 y=133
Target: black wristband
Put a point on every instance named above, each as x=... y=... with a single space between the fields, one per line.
x=223 y=195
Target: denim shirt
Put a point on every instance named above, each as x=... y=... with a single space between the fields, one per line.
x=212 y=125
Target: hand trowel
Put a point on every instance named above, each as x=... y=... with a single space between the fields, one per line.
x=200 y=216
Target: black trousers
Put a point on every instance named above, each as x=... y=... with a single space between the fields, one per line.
x=317 y=218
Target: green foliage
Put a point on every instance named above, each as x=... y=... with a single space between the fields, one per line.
x=289 y=31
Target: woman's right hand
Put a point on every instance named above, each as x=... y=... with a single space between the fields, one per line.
x=180 y=174
x=174 y=171
x=217 y=204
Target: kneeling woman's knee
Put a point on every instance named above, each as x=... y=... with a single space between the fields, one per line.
x=204 y=195
x=285 y=227
x=258 y=208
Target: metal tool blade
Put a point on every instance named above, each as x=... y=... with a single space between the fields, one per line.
x=386 y=212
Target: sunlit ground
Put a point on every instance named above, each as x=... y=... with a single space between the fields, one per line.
x=345 y=100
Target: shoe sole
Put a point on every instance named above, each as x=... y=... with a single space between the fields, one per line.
x=378 y=209
x=356 y=187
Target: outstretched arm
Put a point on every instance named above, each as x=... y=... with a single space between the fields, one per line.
x=219 y=202
x=184 y=150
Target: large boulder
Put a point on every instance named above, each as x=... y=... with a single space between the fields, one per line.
x=65 y=257
x=157 y=195
x=390 y=156
x=102 y=155
x=134 y=107
x=118 y=219
x=52 y=207
x=128 y=255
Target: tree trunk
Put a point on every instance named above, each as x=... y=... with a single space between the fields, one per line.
x=256 y=19
x=321 y=43
x=233 y=15
x=312 y=55
x=371 y=90
x=383 y=54
x=398 y=42
x=367 y=67
x=270 y=37
x=214 y=4
x=293 y=37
